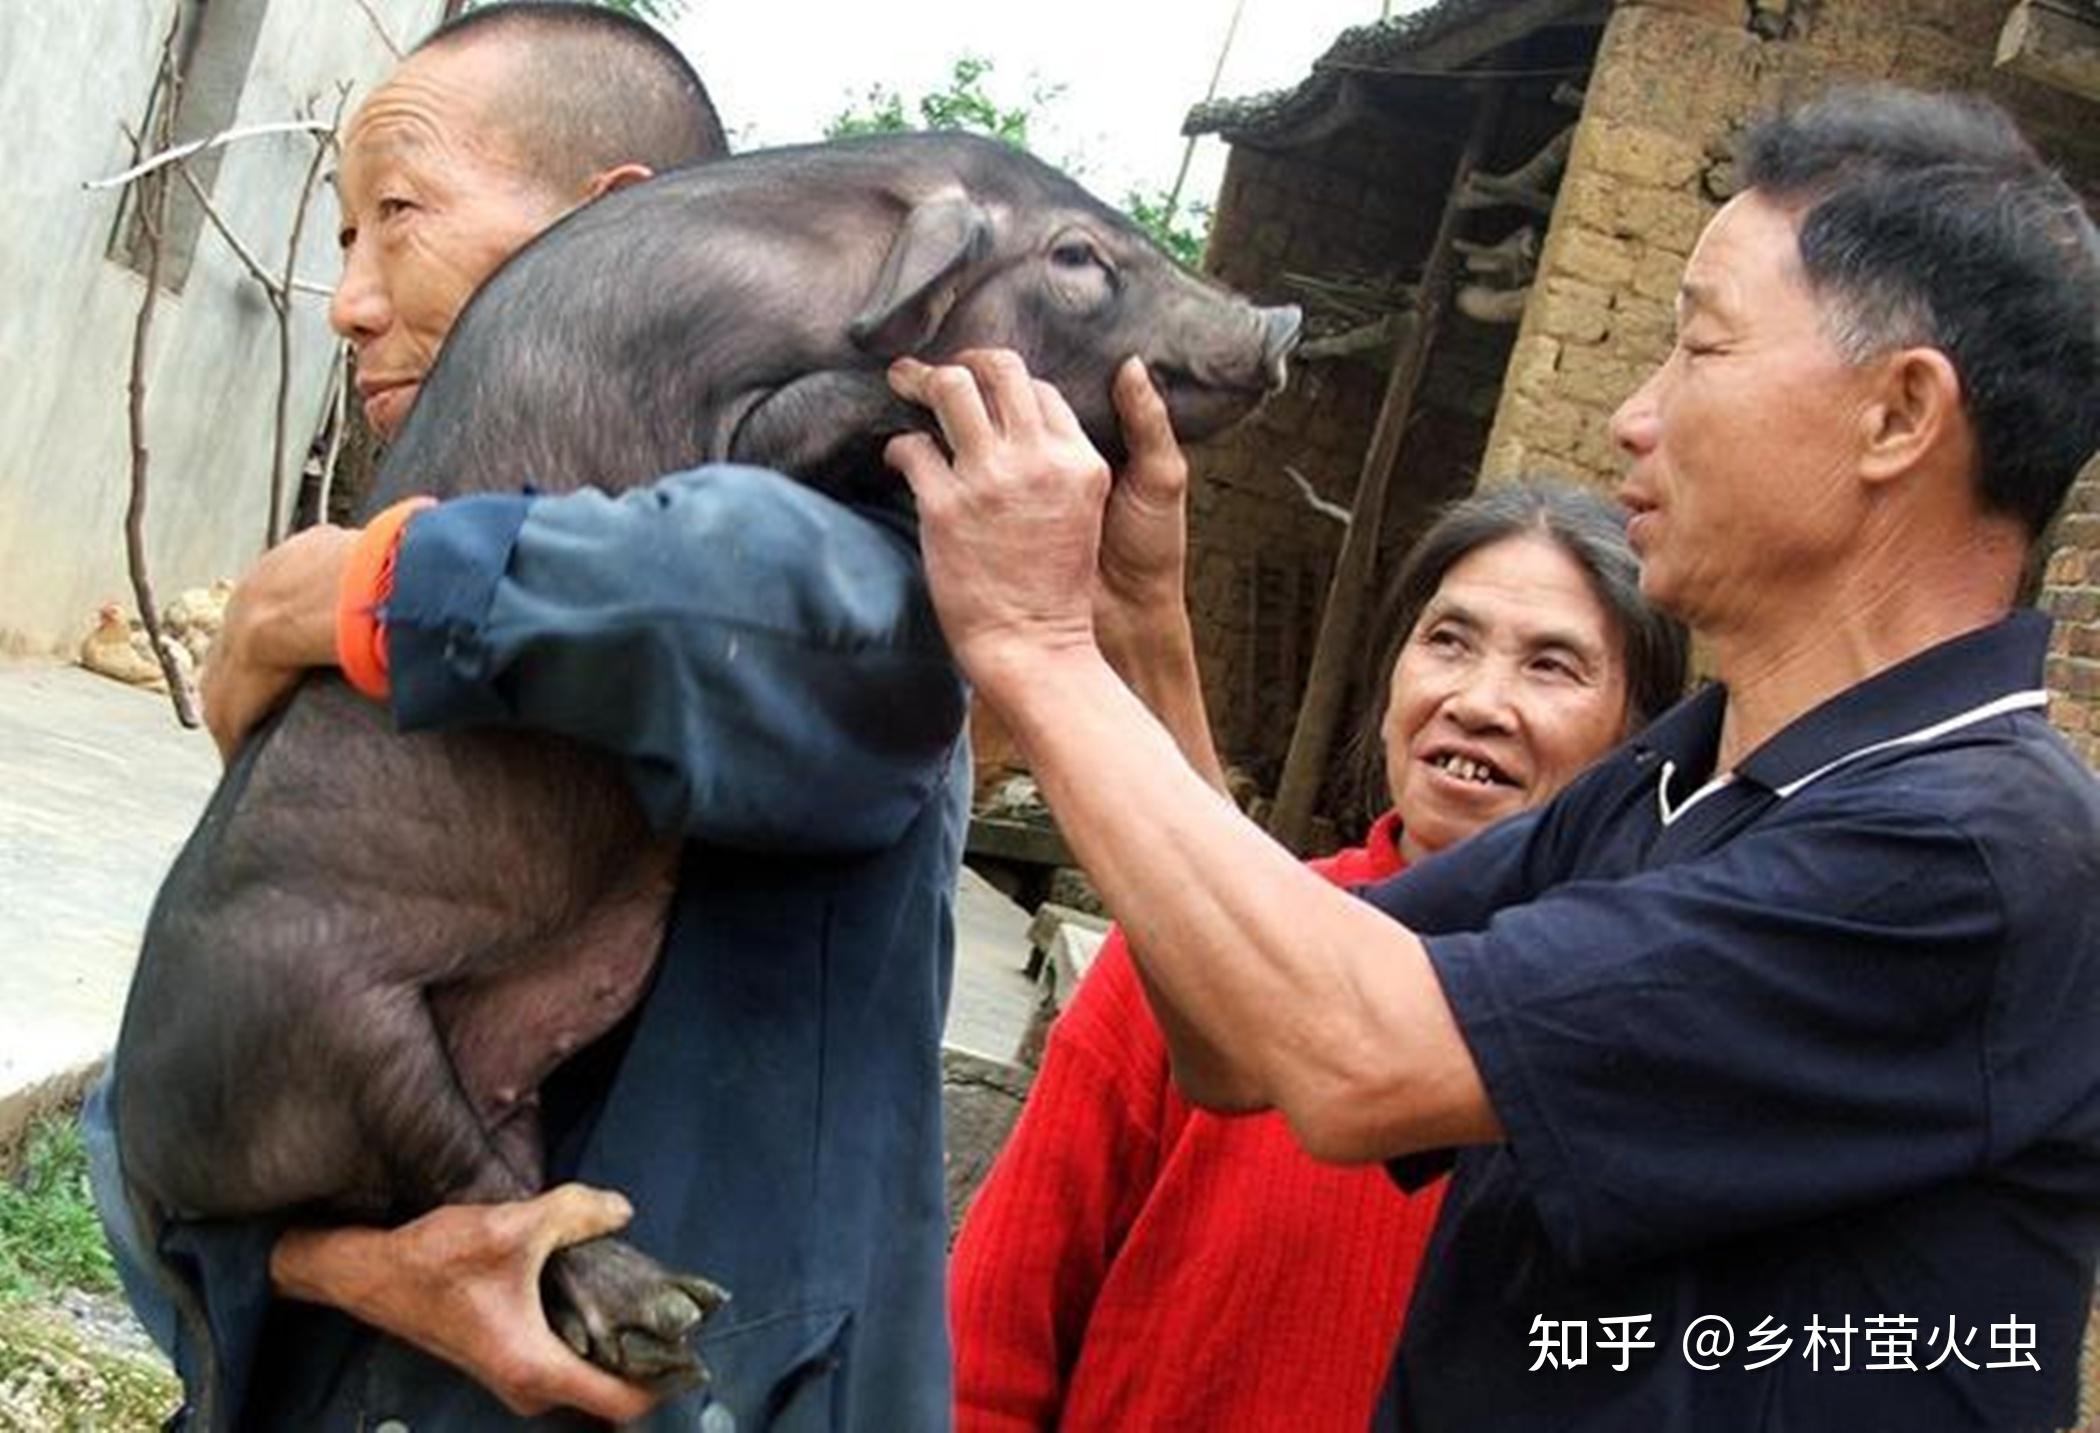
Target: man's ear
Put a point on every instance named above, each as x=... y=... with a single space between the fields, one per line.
x=618 y=177
x=1918 y=406
x=940 y=239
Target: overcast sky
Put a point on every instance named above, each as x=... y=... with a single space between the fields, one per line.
x=780 y=69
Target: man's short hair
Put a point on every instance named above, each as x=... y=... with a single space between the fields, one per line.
x=592 y=89
x=1929 y=221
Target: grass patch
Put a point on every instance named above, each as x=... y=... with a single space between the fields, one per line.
x=50 y=1238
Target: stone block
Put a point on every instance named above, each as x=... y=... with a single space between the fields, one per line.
x=1534 y=366
x=1548 y=424
x=2081 y=677
x=1571 y=309
x=2069 y=717
x=1657 y=275
x=1586 y=254
x=1506 y=458
x=1598 y=380
x=980 y=1100
x=1666 y=218
x=2072 y=604
x=1595 y=450
x=1642 y=329
x=1590 y=198
x=1640 y=154
x=2085 y=641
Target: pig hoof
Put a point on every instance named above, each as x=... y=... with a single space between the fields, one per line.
x=623 y=1311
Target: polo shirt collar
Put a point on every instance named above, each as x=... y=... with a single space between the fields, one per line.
x=1970 y=678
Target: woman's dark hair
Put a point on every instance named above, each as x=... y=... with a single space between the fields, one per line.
x=1591 y=531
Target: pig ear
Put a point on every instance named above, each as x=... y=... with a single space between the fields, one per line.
x=940 y=238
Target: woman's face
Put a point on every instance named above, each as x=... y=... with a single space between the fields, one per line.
x=1512 y=681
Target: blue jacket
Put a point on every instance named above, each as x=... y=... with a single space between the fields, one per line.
x=770 y=664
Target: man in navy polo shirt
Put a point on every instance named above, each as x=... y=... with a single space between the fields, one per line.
x=1770 y=1052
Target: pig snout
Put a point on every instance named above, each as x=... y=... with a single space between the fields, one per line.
x=1221 y=383
x=1280 y=328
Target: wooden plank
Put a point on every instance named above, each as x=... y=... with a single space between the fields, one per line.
x=1337 y=654
x=2053 y=45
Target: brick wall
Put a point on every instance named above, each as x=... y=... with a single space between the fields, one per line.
x=1673 y=80
x=2071 y=594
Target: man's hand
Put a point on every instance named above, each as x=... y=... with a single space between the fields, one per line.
x=1144 y=534
x=1011 y=525
x=462 y=1283
x=280 y=621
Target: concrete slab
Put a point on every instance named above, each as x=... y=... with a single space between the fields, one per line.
x=98 y=788
x=993 y=1000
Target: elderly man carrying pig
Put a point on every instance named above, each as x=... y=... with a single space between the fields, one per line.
x=771 y=1108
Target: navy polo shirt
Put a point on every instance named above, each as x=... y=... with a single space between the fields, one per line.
x=1800 y=1070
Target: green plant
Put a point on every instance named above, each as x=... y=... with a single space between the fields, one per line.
x=50 y=1238
x=1181 y=231
x=964 y=104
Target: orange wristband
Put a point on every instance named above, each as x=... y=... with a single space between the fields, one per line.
x=367 y=582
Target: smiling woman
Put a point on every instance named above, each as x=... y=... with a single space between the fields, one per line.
x=1522 y=650
x=1121 y=1220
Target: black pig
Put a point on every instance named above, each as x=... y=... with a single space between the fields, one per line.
x=308 y=989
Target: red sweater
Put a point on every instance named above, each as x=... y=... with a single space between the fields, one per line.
x=1135 y=1263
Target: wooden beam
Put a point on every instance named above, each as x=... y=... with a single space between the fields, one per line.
x=1338 y=655
x=2054 y=44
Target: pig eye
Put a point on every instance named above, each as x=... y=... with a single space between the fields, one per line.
x=1073 y=254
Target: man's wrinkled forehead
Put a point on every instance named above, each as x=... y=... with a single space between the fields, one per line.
x=1753 y=241
x=437 y=103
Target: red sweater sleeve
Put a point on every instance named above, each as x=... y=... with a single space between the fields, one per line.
x=1044 y=1228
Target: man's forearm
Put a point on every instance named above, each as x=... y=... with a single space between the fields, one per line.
x=1299 y=995
x=1156 y=656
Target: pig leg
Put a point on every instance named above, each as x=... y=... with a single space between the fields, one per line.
x=822 y=423
x=613 y=1304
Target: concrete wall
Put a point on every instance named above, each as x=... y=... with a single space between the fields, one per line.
x=69 y=73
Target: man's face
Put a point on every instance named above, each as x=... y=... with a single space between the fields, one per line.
x=432 y=202
x=1743 y=442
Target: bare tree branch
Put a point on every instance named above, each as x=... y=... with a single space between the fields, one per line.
x=322 y=145
x=339 y=382
x=153 y=213
x=1313 y=499
x=223 y=137
x=240 y=250
x=379 y=28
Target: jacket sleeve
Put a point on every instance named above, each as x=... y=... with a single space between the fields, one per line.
x=766 y=659
x=1045 y=1227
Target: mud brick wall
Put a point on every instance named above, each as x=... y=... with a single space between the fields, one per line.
x=1674 y=80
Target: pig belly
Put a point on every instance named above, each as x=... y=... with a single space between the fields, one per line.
x=348 y=893
x=507 y=1029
